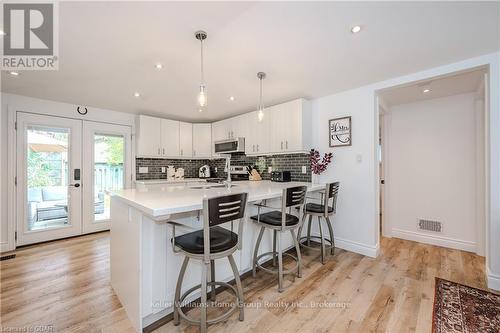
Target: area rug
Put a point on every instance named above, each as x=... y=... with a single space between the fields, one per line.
x=462 y=309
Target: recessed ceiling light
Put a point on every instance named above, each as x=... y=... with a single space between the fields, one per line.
x=136 y=94
x=159 y=66
x=200 y=110
x=356 y=29
x=14 y=73
x=427 y=90
x=231 y=98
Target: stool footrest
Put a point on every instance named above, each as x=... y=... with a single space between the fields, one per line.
x=222 y=317
x=275 y=271
x=304 y=239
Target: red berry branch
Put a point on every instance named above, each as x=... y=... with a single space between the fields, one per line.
x=316 y=166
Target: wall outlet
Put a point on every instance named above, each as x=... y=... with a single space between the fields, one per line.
x=269 y=169
x=163 y=169
x=304 y=169
x=143 y=169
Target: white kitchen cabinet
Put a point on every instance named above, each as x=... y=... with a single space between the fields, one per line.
x=185 y=139
x=169 y=138
x=239 y=126
x=202 y=140
x=257 y=138
x=148 y=136
x=290 y=127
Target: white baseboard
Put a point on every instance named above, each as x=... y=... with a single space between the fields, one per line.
x=493 y=280
x=351 y=246
x=435 y=240
x=366 y=250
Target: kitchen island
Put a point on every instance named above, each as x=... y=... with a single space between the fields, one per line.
x=144 y=268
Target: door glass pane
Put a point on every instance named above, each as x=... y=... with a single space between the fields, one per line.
x=108 y=171
x=47 y=177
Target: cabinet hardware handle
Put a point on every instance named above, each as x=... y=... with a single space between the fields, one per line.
x=163 y=151
x=257 y=147
x=286 y=144
x=182 y=152
x=194 y=152
x=253 y=147
x=281 y=145
x=159 y=151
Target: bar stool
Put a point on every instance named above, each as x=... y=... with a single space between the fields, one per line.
x=280 y=222
x=323 y=210
x=211 y=243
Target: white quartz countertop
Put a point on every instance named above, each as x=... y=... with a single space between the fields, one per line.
x=169 y=181
x=160 y=201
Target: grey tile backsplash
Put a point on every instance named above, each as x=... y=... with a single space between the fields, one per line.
x=288 y=162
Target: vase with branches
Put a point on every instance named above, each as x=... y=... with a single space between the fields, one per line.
x=317 y=166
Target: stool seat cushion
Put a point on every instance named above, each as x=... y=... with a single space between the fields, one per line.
x=274 y=218
x=317 y=208
x=221 y=240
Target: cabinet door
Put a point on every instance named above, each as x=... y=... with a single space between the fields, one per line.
x=218 y=133
x=239 y=126
x=170 y=137
x=185 y=139
x=202 y=140
x=257 y=135
x=292 y=131
x=278 y=123
x=148 y=136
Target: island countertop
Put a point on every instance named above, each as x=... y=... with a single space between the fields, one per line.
x=173 y=199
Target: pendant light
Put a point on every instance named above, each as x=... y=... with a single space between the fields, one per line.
x=260 y=114
x=202 y=96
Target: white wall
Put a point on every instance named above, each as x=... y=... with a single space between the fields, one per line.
x=431 y=170
x=35 y=105
x=357 y=219
x=3 y=179
x=354 y=166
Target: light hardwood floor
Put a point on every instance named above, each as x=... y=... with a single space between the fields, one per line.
x=66 y=284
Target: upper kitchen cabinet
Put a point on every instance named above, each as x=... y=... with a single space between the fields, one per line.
x=258 y=136
x=185 y=139
x=290 y=127
x=148 y=137
x=202 y=140
x=170 y=138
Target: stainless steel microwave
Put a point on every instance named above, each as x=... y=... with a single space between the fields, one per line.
x=230 y=146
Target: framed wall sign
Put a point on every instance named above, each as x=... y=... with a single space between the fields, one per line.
x=340 y=132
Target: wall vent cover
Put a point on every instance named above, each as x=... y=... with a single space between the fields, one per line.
x=430 y=225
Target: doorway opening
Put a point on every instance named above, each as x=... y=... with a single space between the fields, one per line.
x=432 y=161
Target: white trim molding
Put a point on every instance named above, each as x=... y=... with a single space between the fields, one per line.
x=493 y=280
x=434 y=240
x=351 y=246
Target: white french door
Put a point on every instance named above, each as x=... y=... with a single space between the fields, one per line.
x=106 y=167
x=64 y=167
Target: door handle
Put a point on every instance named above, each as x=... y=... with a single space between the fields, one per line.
x=74 y=185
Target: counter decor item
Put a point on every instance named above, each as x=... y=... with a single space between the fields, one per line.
x=318 y=167
x=253 y=174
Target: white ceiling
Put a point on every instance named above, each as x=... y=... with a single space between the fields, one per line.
x=455 y=84
x=108 y=51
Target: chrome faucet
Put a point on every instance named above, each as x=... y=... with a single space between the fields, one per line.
x=227 y=182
